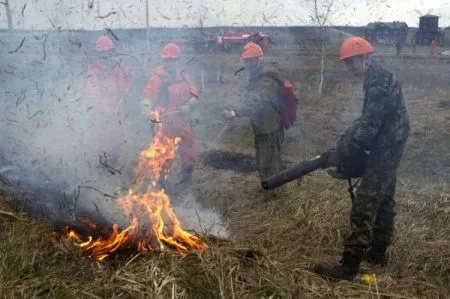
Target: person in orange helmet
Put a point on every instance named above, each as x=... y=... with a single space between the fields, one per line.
x=107 y=80
x=433 y=46
x=170 y=92
x=261 y=104
x=370 y=149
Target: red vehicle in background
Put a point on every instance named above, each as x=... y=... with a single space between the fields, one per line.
x=232 y=40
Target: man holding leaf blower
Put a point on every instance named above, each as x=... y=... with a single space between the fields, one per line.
x=371 y=148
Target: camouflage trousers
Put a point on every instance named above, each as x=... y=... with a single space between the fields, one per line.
x=268 y=153
x=373 y=209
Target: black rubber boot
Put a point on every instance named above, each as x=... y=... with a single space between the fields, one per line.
x=377 y=255
x=347 y=270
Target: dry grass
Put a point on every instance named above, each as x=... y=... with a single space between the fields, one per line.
x=275 y=238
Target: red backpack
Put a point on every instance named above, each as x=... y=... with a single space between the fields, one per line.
x=288 y=100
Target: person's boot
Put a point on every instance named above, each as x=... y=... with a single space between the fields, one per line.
x=377 y=255
x=347 y=270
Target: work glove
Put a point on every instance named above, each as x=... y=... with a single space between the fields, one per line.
x=227 y=114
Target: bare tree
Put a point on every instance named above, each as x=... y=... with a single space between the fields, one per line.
x=320 y=11
x=8 y=13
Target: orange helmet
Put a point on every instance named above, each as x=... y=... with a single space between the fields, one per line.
x=355 y=46
x=251 y=50
x=104 y=43
x=171 y=51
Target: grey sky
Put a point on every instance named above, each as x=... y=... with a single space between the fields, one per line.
x=44 y=14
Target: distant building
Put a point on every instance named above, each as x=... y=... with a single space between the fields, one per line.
x=429 y=23
x=428 y=30
x=386 y=32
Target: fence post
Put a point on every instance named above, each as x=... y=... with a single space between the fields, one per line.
x=218 y=74
x=203 y=79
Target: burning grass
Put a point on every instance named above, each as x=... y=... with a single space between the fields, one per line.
x=153 y=224
x=275 y=238
x=270 y=254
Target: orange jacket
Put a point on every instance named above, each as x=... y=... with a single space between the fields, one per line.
x=180 y=89
x=106 y=81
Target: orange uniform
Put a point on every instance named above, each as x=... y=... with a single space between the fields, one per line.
x=168 y=94
x=105 y=84
x=433 y=47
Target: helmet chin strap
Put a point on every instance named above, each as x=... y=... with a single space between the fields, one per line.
x=366 y=61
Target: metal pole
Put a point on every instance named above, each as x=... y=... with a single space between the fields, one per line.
x=146 y=14
x=203 y=79
x=8 y=14
x=147 y=24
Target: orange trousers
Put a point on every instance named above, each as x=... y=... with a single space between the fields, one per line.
x=177 y=125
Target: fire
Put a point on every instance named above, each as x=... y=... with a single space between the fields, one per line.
x=153 y=225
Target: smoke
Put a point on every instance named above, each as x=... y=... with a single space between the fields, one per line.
x=49 y=146
x=46 y=132
x=47 y=128
x=198 y=218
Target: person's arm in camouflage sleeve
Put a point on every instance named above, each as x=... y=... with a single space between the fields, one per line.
x=250 y=105
x=364 y=130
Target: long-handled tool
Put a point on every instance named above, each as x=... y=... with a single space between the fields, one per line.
x=213 y=144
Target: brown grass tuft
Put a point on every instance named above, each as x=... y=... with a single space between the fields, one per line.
x=275 y=238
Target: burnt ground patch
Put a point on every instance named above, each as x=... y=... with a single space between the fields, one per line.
x=234 y=161
x=444 y=104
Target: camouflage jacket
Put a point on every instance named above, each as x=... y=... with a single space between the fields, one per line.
x=384 y=121
x=261 y=102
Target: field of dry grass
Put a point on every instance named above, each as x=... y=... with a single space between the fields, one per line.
x=276 y=238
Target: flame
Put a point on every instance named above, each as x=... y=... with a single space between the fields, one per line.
x=153 y=225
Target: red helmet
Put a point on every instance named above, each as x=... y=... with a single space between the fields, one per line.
x=355 y=46
x=251 y=50
x=104 y=43
x=171 y=51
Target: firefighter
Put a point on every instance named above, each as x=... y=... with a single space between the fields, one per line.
x=262 y=105
x=378 y=137
x=261 y=40
x=170 y=92
x=433 y=46
x=107 y=80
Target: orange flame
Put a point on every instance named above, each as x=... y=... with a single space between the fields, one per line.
x=153 y=225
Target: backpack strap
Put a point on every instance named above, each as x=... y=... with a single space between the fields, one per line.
x=274 y=77
x=271 y=75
